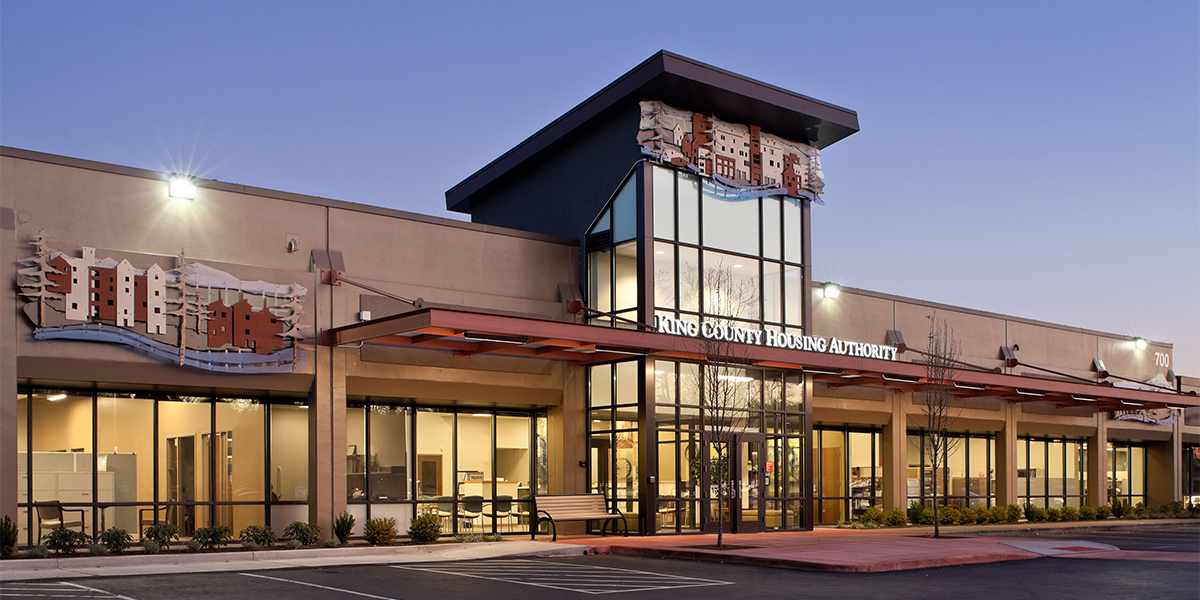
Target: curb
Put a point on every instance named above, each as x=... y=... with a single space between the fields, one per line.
x=802 y=565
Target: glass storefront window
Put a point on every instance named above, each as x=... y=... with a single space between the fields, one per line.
x=289 y=452
x=772 y=230
x=388 y=459
x=731 y=221
x=624 y=210
x=689 y=279
x=125 y=448
x=600 y=280
x=356 y=453
x=239 y=446
x=625 y=277
x=793 y=239
x=664 y=275
x=664 y=203
x=772 y=292
x=731 y=286
x=62 y=453
x=689 y=208
x=793 y=296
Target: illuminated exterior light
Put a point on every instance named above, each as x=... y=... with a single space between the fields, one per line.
x=56 y=397
x=182 y=186
x=1139 y=343
x=832 y=290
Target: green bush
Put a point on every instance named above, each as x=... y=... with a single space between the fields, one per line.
x=39 y=552
x=1103 y=513
x=894 y=517
x=294 y=544
x=332 y=543
x=259 y=536
x=150 y=546
x=1120 y=508
x=947 y=515
x=343 y=526
x=161 y=534
x=65 y=541
x=1037 y=515
x=1014 y=513
x=211 y=538
x=914 y=511
x=997 y=514
x=115 y=539
x=425 y=529
x=380 y=532
x=1069 y=513
x=924 y=516
x=473 y=538
x=192 y=546
x=98 y=549
x=1053 y=515
x=873 y=514
x=966 y=516
x=1139 y=511
x=1087 y=513
x=8 y=537
x=1174 y=510
x=305 y=533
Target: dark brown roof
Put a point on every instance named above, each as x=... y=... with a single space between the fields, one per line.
x=686 y=84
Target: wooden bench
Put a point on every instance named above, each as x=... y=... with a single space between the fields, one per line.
x=574 y=507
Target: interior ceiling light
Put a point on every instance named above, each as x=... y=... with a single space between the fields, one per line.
x=182 y=186
x=1139 y=343
x=56 y=397
x=831 y=290
x=734 y=378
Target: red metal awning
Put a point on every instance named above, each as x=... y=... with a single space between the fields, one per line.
x=467 y=333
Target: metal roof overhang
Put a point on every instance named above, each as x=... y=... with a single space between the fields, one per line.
x=468 y=333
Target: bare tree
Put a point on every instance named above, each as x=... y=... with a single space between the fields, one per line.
x=36 y=285
x=936 y=400
x=725 y=396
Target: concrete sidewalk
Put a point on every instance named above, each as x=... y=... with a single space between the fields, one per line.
x=875 y=550
x=825 y=549
x=112 y=566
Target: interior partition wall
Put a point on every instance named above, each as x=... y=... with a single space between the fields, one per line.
x=129 y=460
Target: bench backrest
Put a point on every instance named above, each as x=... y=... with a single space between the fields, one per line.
x=562 y=507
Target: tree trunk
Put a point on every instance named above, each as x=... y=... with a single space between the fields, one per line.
x=936 y=531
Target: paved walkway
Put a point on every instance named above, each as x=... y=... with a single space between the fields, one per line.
x=862 y=550
x=825 y=549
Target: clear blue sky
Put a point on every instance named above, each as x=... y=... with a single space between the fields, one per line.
x=1040 y=159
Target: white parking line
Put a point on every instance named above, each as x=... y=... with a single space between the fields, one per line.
x=324 y=587
x=585 y=579
x=58 y=589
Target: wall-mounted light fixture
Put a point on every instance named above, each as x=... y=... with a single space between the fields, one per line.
x=1139 y=343
x=831 y=290
x=181 y=186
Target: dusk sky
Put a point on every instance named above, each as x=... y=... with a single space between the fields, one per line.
x=1037 y=159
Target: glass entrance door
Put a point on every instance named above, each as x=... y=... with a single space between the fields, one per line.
x=735 y=485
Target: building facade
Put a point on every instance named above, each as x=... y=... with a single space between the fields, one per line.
x=630 y=313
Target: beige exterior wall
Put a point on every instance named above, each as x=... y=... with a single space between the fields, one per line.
x=864 y=316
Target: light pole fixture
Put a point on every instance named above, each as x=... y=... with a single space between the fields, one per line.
x=831 y=290
x=181 y=186
x=1139 y=343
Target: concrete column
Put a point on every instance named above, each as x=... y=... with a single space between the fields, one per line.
x=327 y=437
x=1006 y=457
x=9 y=313
x=568 y=443
x=895 y=456
x=1097 y=463
x=1164 y=469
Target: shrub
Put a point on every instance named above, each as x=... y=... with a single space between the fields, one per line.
x=305 y=533
x=294 y=543
x=947 y=515
x=966 y=516
x=472 y=538
x=425 y=529
x=98 y=549
x=1174 y=510
x=65 y=541
x=115 y=539
x=894 y=517
x=1037 y=515
x=924 y=516
x=210 y=538
x=1120 y=508
x=1069 y=513
x=873 y=514
x=343 y=526
x=161 y=534
x=1014 y=514
x=1103 y=512
x=332 y=543
x=192 y=546
x=997 y=514
x=1087 y=513
x=39 y=552
x=1138 y=511
x=1029 y=511
x=150 y=546
x=1053 y=515
x=914 y=511
x=380 y=532
x=252 y=546
x=259 y=536
x=8 y=537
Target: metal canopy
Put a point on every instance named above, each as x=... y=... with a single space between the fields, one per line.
x=468 y=333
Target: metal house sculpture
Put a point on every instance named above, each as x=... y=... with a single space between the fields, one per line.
x=192 y=314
